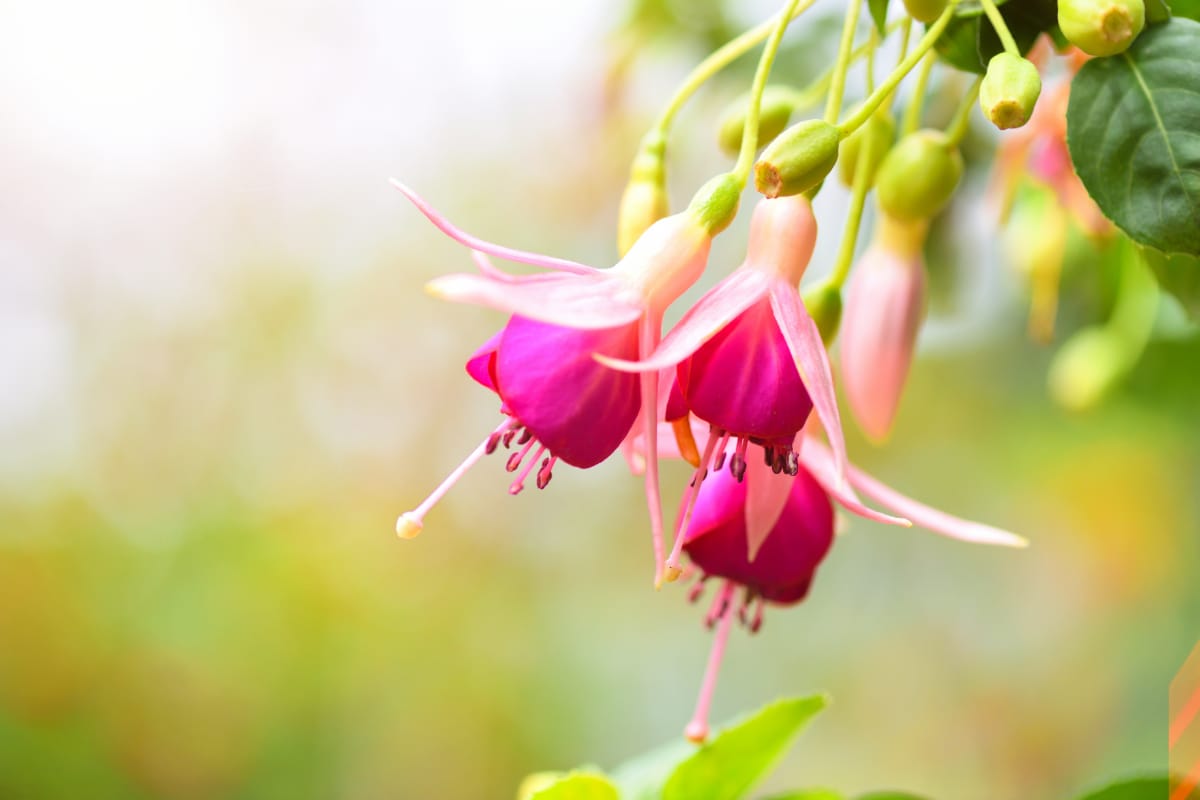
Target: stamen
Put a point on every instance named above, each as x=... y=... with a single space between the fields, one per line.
x=737 y=463
x=757 y=622
x=697 y=730
x=508 y=437
x=525 y=436
x=544 y=474
x=410 y=523
x=693 y=491
x=697 y=589
x=519 y=484
x=793 y=463
x=516 y=458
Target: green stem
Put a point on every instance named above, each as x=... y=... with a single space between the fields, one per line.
x=715 y=62
x=903 y=52
x=912 y=114
x=858 y=199
x=833 y=106
x=871 y=44
x=745 y=160
x=962 y=116
x=876 y=97
x=997 y=20
x=807 y=96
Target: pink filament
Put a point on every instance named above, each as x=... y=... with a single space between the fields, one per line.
x=693 y=491
x=519 y=483
x=437 y=494
x=697 y=729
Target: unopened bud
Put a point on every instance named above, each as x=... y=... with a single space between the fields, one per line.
x=778 y=103
x=918 y=176
x=925 y=10
x=537 y=782
x=1101 y=27
x=1087 y=367
x=879 y=132
x=715 y=204
x=798 y=160
x=824 y=304
x=1009 y=91
x=645 y=199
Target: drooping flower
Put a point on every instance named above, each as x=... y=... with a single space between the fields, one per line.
x=884 y=307
x=559 y=403
x=780 y=568
x=747 y=358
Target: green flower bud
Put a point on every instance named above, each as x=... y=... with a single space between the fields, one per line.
x=824 y=304
x=798 y=160
x=880 y=130
x=1009 y=91
x=645 y=199
x=1087 y=367
x=532 y=784
x=715 y=204
x=925 y=10
x=776 y=108
x=918 y=177
x=1101 y=27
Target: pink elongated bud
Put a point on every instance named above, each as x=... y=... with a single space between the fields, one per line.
x=884 y=308
x=665 y=261
x=783 y=233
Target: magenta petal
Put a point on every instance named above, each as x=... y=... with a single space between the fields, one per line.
x=744 y=380
x=766 y=496
x=712 y=312
x=808 y=351
x=548 y=378
x=789 y=557
x=569 y=300
x=462 y=237
x=931 y=518
x=482 y=364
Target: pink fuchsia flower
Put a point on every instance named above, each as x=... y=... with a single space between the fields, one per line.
x=748 y=359
x=884 y=308
x=559 y=403
x=779 y=568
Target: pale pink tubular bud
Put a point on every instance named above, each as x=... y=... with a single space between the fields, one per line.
x=783 y=233
x=884 y=308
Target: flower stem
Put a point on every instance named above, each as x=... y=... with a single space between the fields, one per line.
x=962 y=115
x=745 y=160
x=912 y=113
x=997 y=20
x=871 y=44
x=884 y=89
x=858 y=198
x=833 y=105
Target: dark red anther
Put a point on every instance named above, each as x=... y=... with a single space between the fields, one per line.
x=492 y=443
x=543 y=474
x=514 y=461
x=697 y=590
x=508 y=437
x=793 y=463
x=720 y=462
x=526 y=435
x=737 y=466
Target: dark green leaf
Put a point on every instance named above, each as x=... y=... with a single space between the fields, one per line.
x=1157 y=11
x=1178 y=274
x=1137 y=789
x=878 y=9
x=1133 y=129
x=732 y=762
x=1185 y=8
x=969 y=41
x=578 y=786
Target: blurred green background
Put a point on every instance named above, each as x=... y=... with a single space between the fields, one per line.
x=222 y=382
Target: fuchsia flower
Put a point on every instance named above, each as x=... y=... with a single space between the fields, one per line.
x=559 y=403
x=779 y=569
x=748 y=359
x=884 y=308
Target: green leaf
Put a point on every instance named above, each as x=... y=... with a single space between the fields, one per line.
x=808 y=794
x=1178 y=274
x=878 y=9
x=969 y=41
x=1133 y=129
x=889 y=796
x=1185 y=8
x=1157 y=11
x=726 y=767
x=1137 y=789
x=577 y=786
x=642 y=778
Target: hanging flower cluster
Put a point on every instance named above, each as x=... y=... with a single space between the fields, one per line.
x=743 y=387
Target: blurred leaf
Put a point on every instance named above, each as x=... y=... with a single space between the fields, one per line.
x=968 y=44
x=878 y=9
x=1178 y=274
x=1137 y=789
x=1185 y=8
x=576 y=786
x=808 y=794
x=726 y=767
x=642 y=778
x=890 y=796
x=1131 y=131
x=1157 y=11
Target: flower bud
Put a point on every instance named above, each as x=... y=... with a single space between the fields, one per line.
x=1087 y=367
x=824 y=304
x=1009 y=91
x=880 y=132
x=645 y=199
x=776 y=108
x=798 y=160
x=884 y=308
x=917 y=178
x=1101 y=27
x=925 y=10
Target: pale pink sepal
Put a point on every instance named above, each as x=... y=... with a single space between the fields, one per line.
x=489 y=269
x=817 y=460
x=804 y=341
x=475 y=243
x=712 y=312
x=568 y=300
x=766 y=495
x=936 y=521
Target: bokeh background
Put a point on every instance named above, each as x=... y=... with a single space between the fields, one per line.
x=220 y=382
